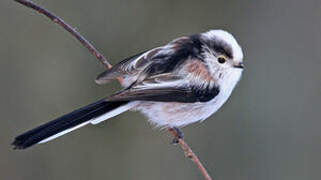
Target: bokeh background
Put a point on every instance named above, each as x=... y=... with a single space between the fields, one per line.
x=270 y=129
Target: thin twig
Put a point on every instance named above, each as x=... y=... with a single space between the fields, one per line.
x=187 y=150
x=190 y=154
x=67 y=27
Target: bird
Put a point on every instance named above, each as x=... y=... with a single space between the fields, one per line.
x=174 y=85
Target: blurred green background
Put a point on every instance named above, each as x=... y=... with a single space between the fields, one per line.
x=268 y=130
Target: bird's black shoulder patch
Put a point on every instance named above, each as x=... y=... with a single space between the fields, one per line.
x=190 y=47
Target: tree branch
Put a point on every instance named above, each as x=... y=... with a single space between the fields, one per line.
x=68 y=28
x=190 y=154
x=187 y=150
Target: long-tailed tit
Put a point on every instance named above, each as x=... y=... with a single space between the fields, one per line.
x=174 y=85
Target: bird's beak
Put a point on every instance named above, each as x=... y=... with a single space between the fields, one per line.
x=239 y=65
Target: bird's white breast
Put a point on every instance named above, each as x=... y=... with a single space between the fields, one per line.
x=169 y=114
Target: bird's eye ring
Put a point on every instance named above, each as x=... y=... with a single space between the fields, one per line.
x=221 y=59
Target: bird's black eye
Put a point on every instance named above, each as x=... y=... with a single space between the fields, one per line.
x=221 y=59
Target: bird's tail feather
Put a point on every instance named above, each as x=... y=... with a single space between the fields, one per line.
x=92 y=113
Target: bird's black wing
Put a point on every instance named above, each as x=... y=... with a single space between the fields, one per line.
x=175 y=72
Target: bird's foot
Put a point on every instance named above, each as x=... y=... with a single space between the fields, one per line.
x=179 y=135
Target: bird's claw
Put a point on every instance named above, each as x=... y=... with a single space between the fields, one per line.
x=179 y=135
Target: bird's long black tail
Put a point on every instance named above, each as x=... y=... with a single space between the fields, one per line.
x=65 y=124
